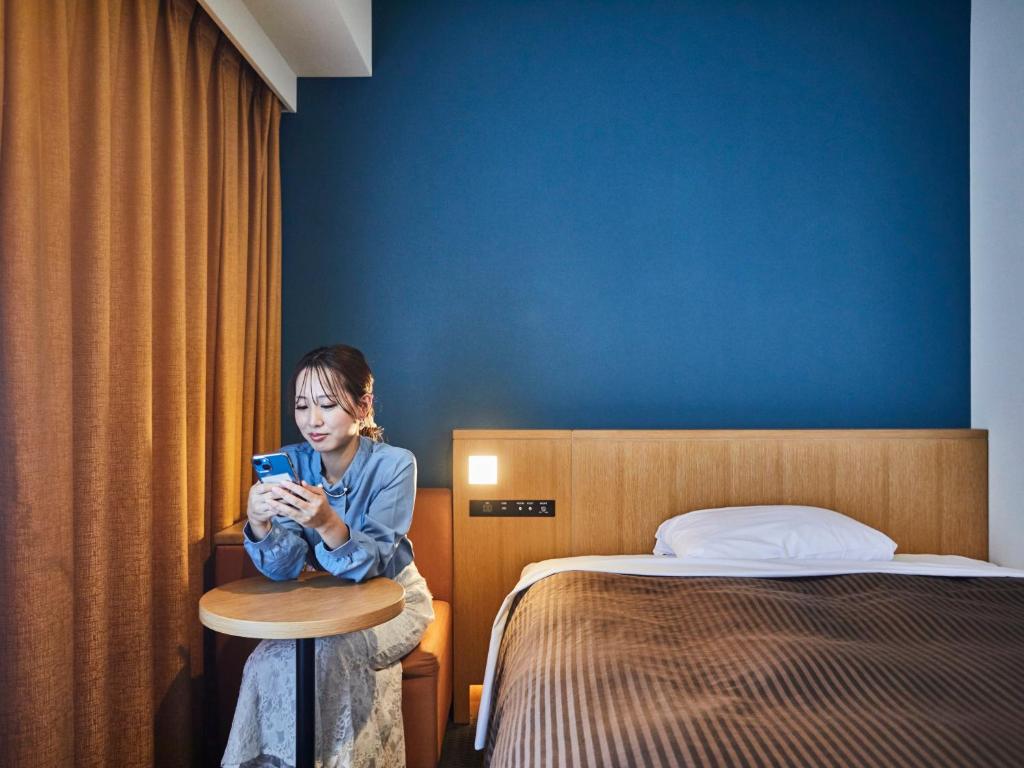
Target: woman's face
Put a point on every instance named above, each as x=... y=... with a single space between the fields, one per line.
x=322 y=419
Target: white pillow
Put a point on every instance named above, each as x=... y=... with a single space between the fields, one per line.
x=767 y=532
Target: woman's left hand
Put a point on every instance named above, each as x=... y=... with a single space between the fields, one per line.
x=311 y=509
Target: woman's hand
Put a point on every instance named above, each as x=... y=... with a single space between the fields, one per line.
x=259 y=510
x=310 y=509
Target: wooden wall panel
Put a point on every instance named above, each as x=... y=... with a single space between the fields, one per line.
x=927 y=489
x=915 y=507
x=755 y=473
x=808 y=472
x=862 y=481
x=606 y=489
x=490 y=552
x=705 y=476
x=964 y=490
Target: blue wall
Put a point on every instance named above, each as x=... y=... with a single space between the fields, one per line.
x=629 y=214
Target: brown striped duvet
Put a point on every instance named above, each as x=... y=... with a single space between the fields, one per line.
x=600 y=669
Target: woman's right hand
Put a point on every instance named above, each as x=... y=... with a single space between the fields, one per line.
x=259 y=510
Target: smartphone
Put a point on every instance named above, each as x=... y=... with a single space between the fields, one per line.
x=274 y=467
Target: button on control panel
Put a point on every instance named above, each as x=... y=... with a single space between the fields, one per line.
x=511 y=508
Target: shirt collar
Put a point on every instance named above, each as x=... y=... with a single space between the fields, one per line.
x=355 y=469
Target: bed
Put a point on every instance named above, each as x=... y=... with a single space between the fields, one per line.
x=601 y=654
x=652 y=662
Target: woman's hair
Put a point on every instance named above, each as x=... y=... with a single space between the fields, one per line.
x=345 y=376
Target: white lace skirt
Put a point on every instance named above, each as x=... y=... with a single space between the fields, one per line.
x=358 y=689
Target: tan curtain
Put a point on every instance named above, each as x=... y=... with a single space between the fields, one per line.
x=139 y=363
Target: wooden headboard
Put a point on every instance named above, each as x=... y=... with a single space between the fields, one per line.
x=926 y=489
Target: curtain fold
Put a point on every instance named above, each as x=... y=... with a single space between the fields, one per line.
x=139 y=363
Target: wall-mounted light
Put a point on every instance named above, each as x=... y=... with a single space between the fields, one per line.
x=483 y=470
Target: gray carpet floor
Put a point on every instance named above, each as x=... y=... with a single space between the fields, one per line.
x=457 y=751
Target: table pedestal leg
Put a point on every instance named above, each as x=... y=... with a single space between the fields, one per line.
x=305 y=702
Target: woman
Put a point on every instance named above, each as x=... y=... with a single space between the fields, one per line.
x=349 y=514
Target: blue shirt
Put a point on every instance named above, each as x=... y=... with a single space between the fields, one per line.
x=374 y=498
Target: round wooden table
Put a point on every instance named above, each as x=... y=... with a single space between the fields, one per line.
x=314 y=605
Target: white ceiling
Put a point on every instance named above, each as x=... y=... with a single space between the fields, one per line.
x=288 y=39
